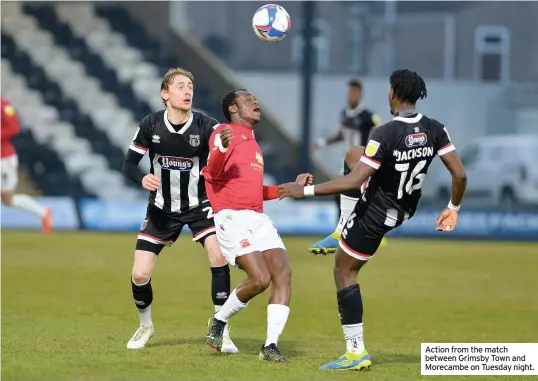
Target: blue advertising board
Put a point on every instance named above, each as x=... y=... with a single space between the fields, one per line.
x=64 y=215
x=477 y=224
x=290 y=217
x=112 y=215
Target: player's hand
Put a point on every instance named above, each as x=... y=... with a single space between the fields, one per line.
x=447 y=221
x=151 y=182
x=294 y=190
x=313 y=147
x=305 y=179
x=226 y=136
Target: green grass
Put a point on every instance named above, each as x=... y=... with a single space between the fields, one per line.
x=67 y=309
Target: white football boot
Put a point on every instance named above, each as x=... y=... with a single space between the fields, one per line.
x=228 y=345
x=141 y=337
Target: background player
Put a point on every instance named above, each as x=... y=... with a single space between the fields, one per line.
x=246 y=235
x=177 y=140
x=396 y=161
x=9 y=166
x=356 y=125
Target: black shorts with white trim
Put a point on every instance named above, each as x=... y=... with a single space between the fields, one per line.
x=161 y=228
x=365 y=230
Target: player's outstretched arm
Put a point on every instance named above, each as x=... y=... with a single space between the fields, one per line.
x=354 y=180
x=448 y=218
x=271 y=192
x=338 y=137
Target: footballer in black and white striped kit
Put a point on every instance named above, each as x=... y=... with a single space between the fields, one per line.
x=177 y=154
x=177 y=142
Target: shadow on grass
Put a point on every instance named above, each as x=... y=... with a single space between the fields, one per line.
x=380 y=358
x=245 y=345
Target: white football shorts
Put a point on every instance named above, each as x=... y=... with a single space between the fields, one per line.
x=242 y=232
x=9 y=167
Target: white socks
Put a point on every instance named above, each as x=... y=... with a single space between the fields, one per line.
x=230 y=308
x=354 y=335
x=145 y=317
x=277 y=316
x=27 y=203
x=347 y=205
x=226 y=329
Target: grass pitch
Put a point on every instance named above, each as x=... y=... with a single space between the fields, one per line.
x=67 y=309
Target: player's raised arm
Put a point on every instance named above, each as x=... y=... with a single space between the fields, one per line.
x=447 y=152
x=217 y=155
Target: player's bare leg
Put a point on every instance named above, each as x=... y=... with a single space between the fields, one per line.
x=220 y=285
x=348 y=201
x=144 y=262
x=257 y=282
x=278 y=309
x=28 y=204
x=346 y=270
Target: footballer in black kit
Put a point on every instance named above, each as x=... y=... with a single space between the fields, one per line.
x=177 y=154
x=356 y=121
x=401 y=152
x=356 y=124
x=396 y=161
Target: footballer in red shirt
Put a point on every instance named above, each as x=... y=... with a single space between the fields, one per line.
x=9 y=167
x=247 y=236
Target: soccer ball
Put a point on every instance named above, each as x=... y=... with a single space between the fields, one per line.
x=271 y=23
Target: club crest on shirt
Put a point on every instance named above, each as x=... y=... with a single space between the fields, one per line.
x=259 y=157
x=371 y=148
x=9 y=110
x=144 y=225
x=194 y=140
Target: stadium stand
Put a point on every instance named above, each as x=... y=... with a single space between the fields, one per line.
x=153 y=53
x=82 y=77
x=47 y=137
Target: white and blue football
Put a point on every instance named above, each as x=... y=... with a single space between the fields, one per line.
x=271 y=23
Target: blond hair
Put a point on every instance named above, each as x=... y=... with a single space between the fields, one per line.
x=173 y=73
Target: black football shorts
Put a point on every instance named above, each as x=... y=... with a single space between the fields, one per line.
x=364 y=231
x=161 y=229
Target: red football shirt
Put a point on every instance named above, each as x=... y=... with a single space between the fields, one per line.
x=10 y=127
x=234 y=176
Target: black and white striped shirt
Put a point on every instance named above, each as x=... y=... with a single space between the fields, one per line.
x=177 y=154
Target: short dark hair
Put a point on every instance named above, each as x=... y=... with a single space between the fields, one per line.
x=408 y=85
x=227 y=100
x=354 y=82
